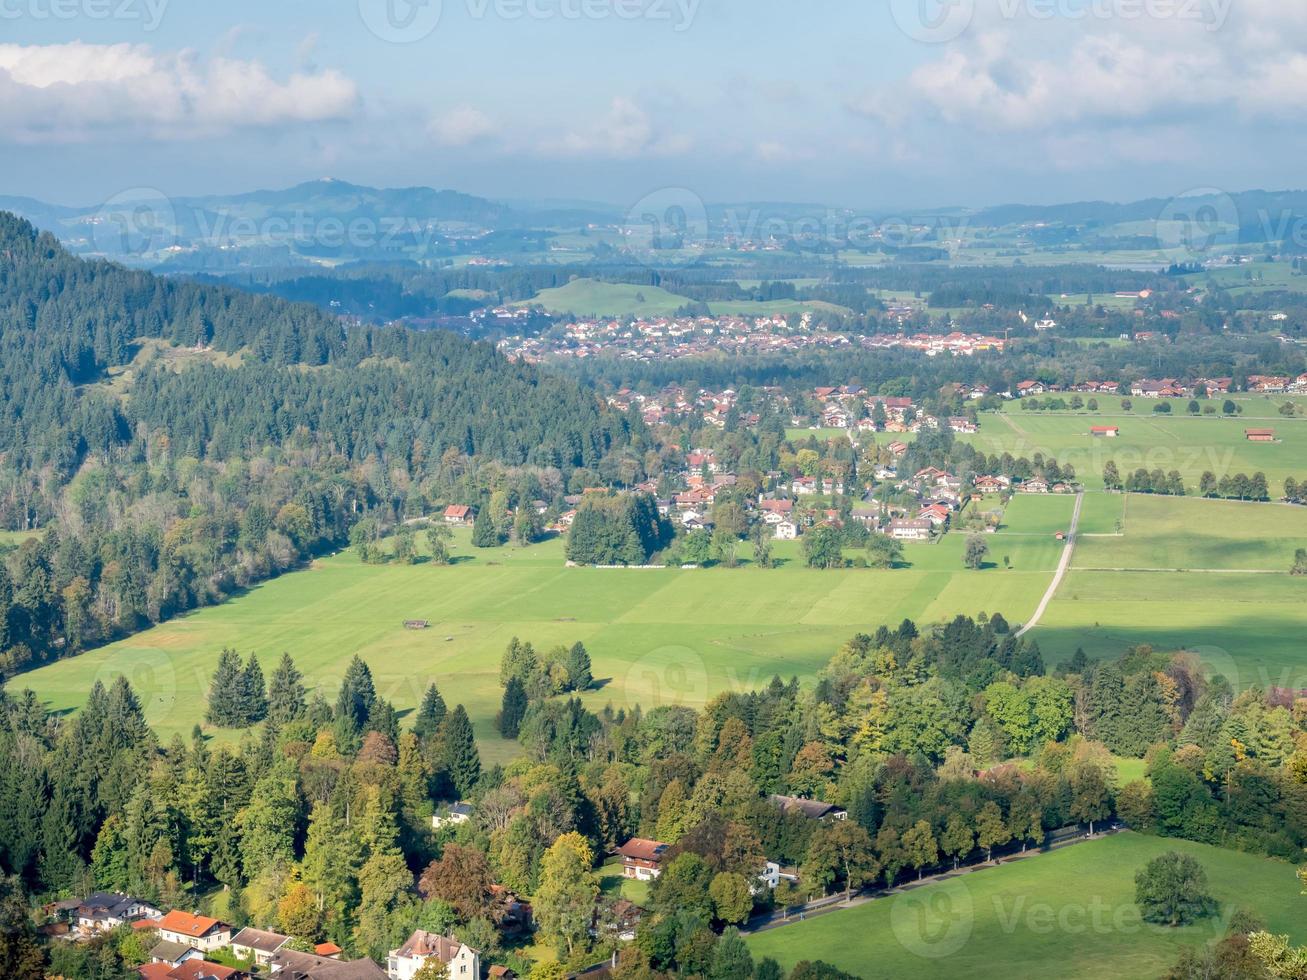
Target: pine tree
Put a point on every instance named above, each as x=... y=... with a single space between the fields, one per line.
x=484 y=533
x=356 y=699
x=254 y=695
x=285 y=692
x=578 y=668
x=430 y=714
x=513 y=708
x=460 y=750
x=226 y=691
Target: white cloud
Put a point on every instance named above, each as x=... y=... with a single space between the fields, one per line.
x=462 y=126
x=625 y=132
x=76 y=91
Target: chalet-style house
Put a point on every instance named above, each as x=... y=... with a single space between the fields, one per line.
x=812 y=809
x=459 y=514
x=198 y=931
x=191 y=969
x=642 y=859
x=104 y=911
x=258 y=945
x=461 y=961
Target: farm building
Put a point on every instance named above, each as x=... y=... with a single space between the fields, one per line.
x=459 y=514
x=1105 y=431
x=1259 y=435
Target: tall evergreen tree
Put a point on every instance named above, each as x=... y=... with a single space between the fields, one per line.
x=254 y=696
x=461 y=759
x=513 y=708
x=226 y=692
x=431 y=714
x=484 y=532
x=357 y=698
x=578 y=668
x=286 y=694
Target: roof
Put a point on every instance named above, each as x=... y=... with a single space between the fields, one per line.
x=457 y=510
x=202 y=970
x=812 y=809
x=642 y=849
x=189 y=925
x=168 y=951
x=327 y=949
x=109 y=903
x=260 y=939
x=154 y=971
x=1259 y=432
x=289 y=964
x=423 y=943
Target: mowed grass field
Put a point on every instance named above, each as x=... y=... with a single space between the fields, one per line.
x=1209 y=576
x=667 y=636
x=1069 y=913
x=1191 y=445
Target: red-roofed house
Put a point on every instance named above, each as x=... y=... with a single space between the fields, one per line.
x=198 y=931
x=459 y=514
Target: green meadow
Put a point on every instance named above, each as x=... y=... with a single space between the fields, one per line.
x=1068 y=913
x=1209 y=576
x=591 y=297
x=1175 y=442
x=656 y=636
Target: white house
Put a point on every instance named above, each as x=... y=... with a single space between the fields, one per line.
x=786 y=531
x=104 y=911
x=454 y=815
x=461 y=961
x=198 y=931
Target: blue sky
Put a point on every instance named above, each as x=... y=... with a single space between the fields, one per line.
x=868 y=103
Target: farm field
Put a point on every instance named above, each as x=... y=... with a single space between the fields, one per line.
x=655 y=636
x=590 y=297
x=1190 y=445
x=1222 y=589
x=1069 y=913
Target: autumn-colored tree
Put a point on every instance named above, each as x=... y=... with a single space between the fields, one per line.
x=460 y=877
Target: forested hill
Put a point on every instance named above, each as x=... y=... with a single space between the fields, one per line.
x=65 y=322
x=175 y=441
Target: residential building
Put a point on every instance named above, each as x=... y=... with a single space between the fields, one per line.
x=290 y=964
x=785 y=531
x=459 y=514
x=452 y=816
x=910 y=530
x=103 y=911
x=258 y=945
x=461 y=961
x=812 y=809
x=642 y=859
x=199 y=931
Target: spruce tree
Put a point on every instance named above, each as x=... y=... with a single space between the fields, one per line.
x=226 y=691
x=430 y=714
x=285 y=692
x=357 y=698
x=484 y=532
x=254 y=694
x=578 y=668
x=460 y=749
x=513 y=708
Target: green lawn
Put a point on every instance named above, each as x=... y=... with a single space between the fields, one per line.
x=613 y=885
x=656 y=636
x=1190 y=445
x=1066 y=914
x=1244 y=624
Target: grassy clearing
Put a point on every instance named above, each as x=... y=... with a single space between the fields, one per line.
x=613 y=885
x=1191 y=533
x=1102 y=513
x=656 y=636
x=1069 y=913
x=589 y=297
x=1190 y=445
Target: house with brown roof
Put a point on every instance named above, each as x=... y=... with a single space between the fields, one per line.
x=290 y=964
x=258 y=945
x=461 y=961
x=104 y=911
x=198 y=931
x=910 y=530
x=192 y=969
x=642 y=859
x=812 y=809
x=1259 y=435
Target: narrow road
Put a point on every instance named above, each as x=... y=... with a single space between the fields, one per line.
x=1062 y=567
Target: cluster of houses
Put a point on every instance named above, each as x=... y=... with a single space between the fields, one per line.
x=1169 y=387
x=955 y=343
x=183 y=941
x=851 y=407
x=670 y=338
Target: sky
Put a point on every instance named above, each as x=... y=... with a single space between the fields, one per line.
x=862 y=103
